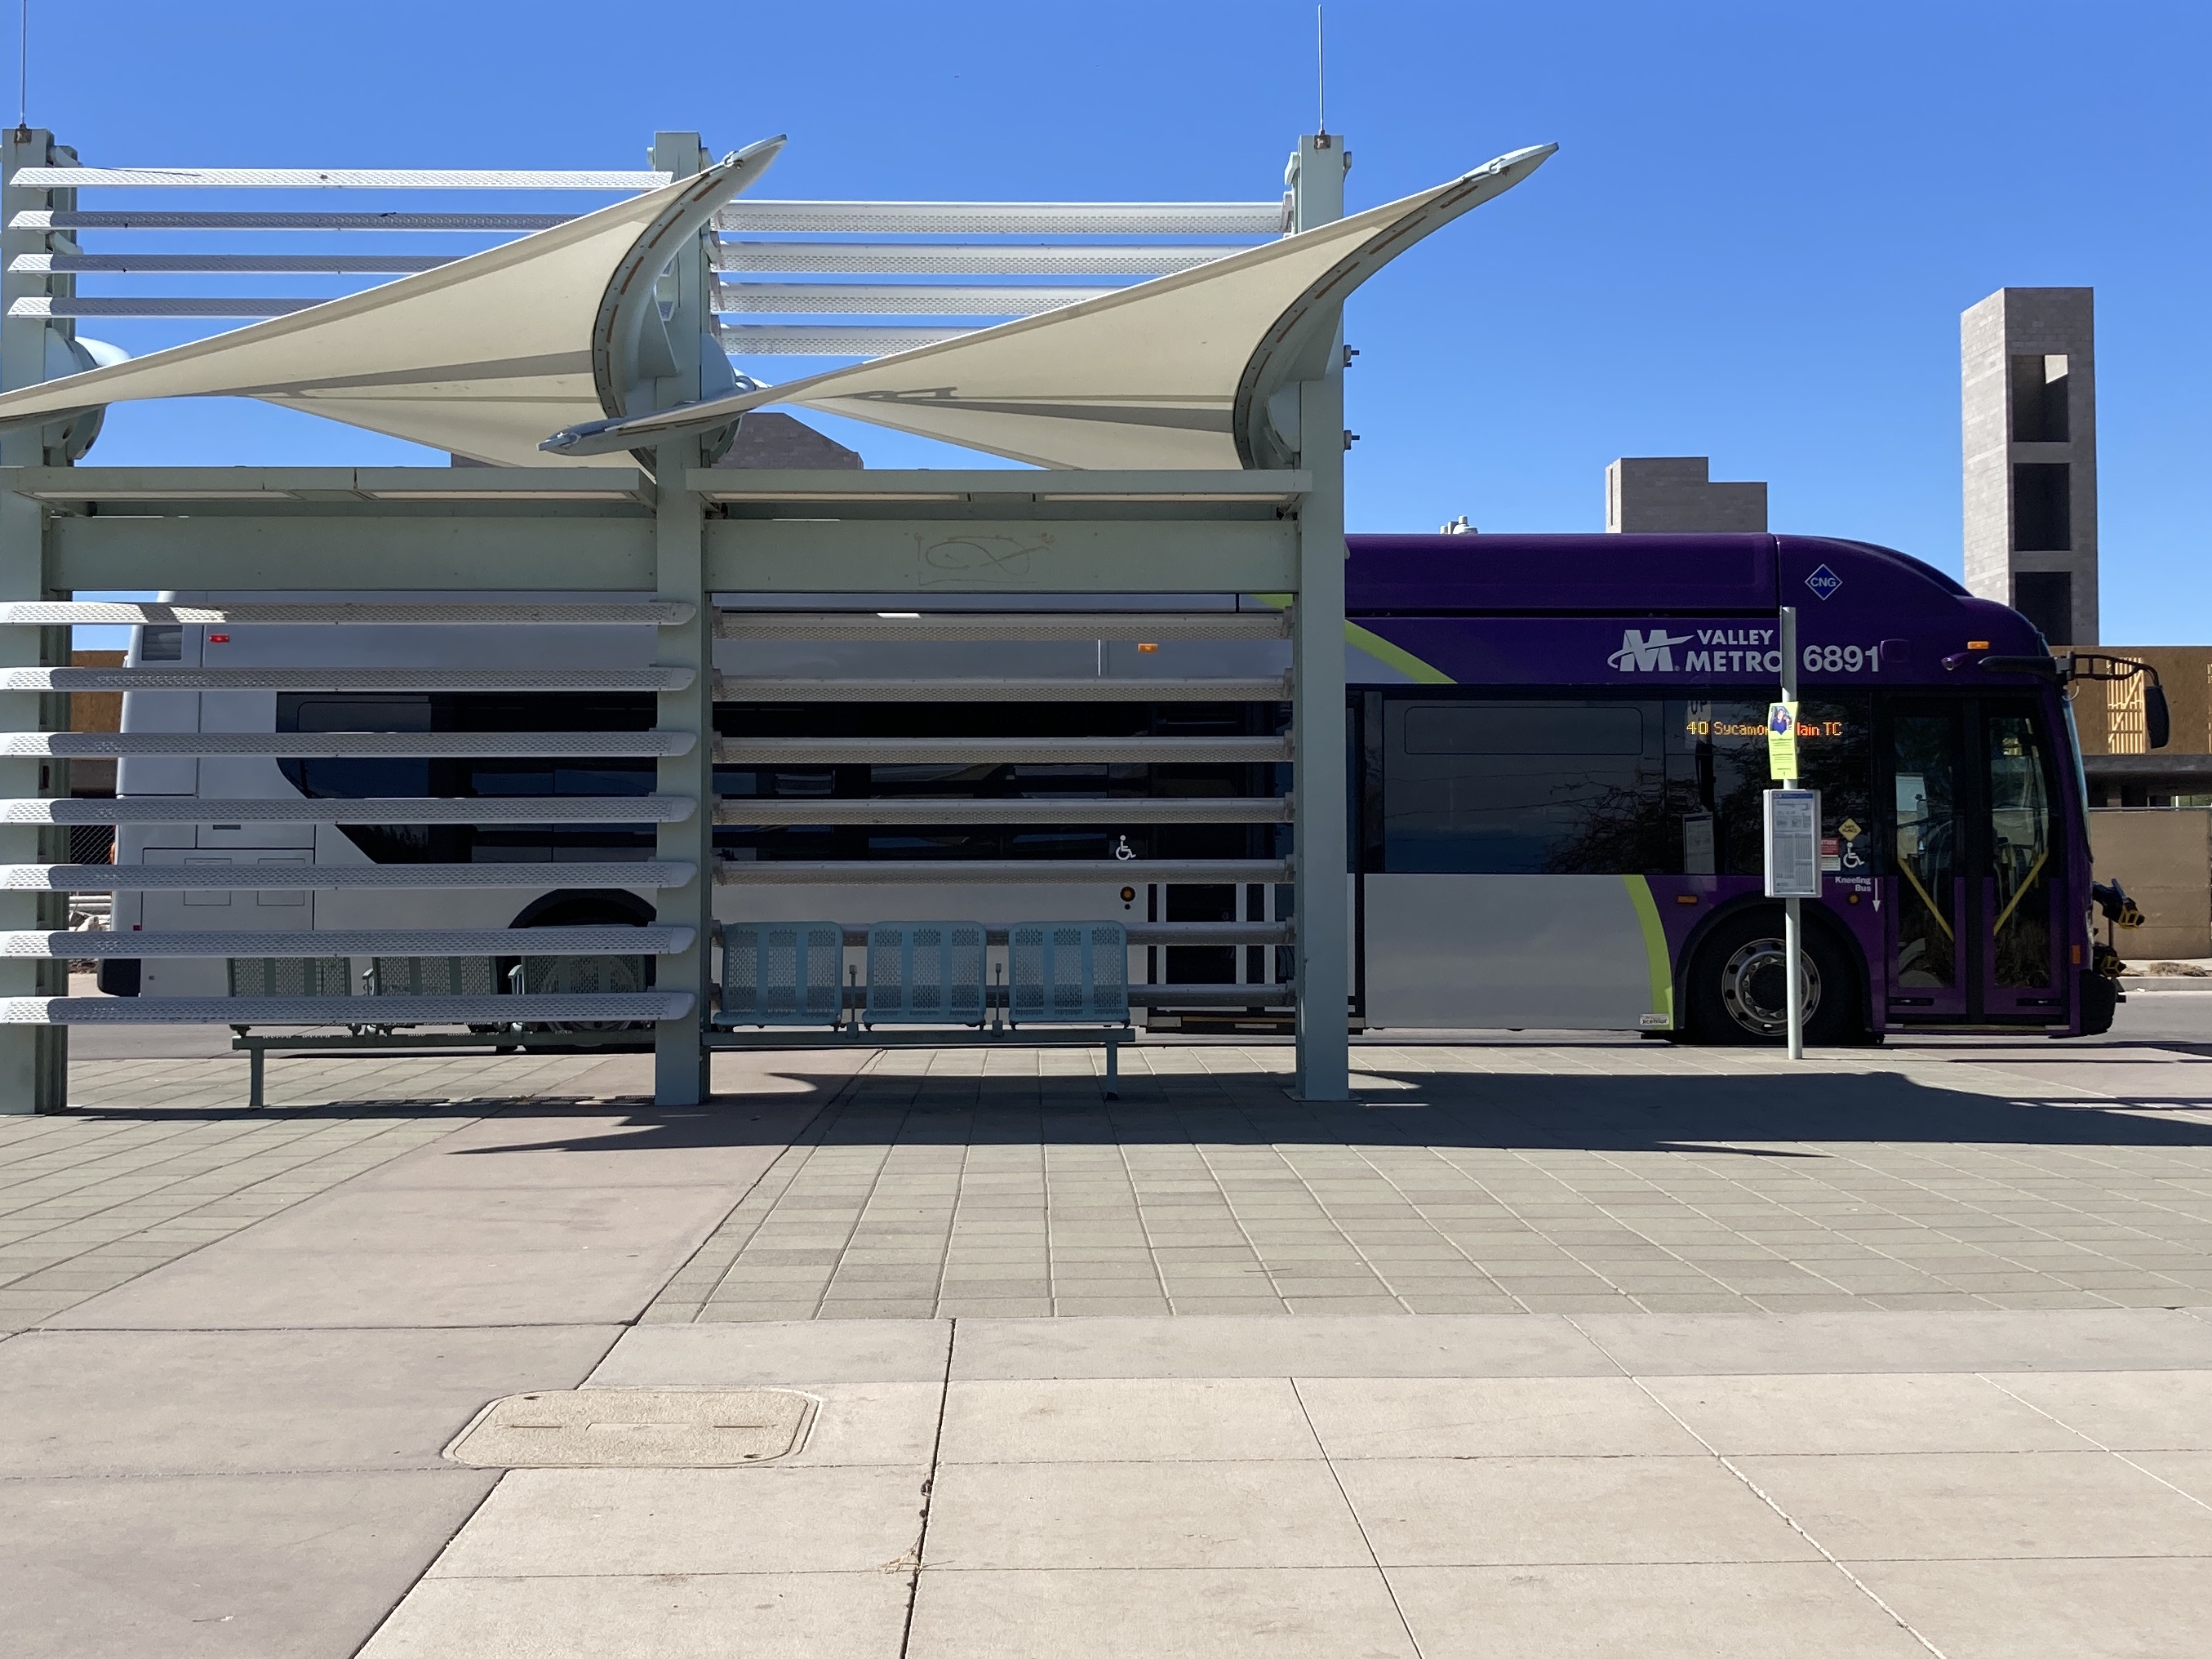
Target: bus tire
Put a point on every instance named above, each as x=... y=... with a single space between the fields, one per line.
x=585 y=909
x=1735 y=979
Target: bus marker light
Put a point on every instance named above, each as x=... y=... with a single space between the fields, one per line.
x=1148 y=647
x=218 y=639
x=1977 y=645
x=1685 y=899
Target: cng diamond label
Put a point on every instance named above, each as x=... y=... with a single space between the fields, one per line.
x=1824 y=582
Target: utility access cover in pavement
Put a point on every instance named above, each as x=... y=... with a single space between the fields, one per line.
x=635 y=1428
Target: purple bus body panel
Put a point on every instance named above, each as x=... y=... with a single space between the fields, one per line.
x=1688 y=614
x=1561 y=572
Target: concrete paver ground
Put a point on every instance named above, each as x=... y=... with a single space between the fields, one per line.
x=1464 y=1179
x=1452 y=1486
x=1542 y=1348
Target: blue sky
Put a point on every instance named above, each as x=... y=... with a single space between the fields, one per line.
x=1754 y=243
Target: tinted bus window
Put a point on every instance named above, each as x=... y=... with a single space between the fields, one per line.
x=1524 y=787
x=1717 y=753
x=1606 y=786
x=359 y=778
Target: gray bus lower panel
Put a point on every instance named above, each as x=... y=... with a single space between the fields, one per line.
x=1474 y=952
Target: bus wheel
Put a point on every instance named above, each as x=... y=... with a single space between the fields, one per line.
x=1736 y=984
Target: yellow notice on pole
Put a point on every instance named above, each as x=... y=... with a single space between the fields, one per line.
x=1782 y=740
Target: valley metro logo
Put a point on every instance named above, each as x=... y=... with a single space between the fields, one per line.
x=1647 y=654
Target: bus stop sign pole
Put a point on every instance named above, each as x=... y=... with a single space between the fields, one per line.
x=1793 y=834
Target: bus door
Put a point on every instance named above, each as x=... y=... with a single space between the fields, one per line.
x=1969 y=903
x=2021 y=978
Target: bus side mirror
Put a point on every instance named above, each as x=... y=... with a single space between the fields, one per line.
x=2157 y=723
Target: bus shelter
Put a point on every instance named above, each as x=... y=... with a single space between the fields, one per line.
x=1186 y=433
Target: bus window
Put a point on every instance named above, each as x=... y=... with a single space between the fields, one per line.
x=1717 y=769
x=1503 y=787
x=362 y=777
x=2020 y=853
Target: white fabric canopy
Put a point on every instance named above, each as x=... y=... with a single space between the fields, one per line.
x=481 y=357
x=1174 y=373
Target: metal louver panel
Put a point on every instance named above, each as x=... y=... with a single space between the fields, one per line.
x=995 y=751
x=956 y=259
x=1008 y=218
x=1102 y=810
x=328 y=179
x=619 y=1007
x=731 y=688
x=1004 y=625
x=341 y=745
x=160 y=677
x=773 y=340
x=55 y=613
x=886 y=299
x=487 y=808
x=355 y=942
x=922 y=872
x=271 y=877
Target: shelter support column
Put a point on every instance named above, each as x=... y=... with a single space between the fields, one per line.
x=1316 y=178
x=33 y=1058
x=679 y=1055
x=1318 y=755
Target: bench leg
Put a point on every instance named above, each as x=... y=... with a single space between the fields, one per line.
x=1113 y=1068
x=256 y=1061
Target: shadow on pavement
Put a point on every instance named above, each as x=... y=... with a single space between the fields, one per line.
x=1751 y=1117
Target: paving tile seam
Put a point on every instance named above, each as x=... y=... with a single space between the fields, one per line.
x=919 y=1555
x=2111 y=1451
x=1791 y=1522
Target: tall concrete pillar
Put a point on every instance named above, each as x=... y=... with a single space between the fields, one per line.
x=33 y=1058
x=680 y=1074
x=1324 y=938
x=2028 y=417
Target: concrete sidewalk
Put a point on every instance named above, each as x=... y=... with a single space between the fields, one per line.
x=1998 y=1484
x=235 y=1450
x=1958 y=1404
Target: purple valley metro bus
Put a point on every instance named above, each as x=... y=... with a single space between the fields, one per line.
x=1557 y=750
x=1561 y=749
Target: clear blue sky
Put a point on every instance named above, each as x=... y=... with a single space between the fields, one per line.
x=1754 y=243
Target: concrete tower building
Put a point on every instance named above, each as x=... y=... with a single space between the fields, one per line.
x=2028 y=374
x=1676 y=493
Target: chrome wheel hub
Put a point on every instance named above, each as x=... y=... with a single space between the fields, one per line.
x=1754 y=987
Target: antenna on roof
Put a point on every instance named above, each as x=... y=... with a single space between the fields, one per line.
x=1321 y=69
x=24 y=70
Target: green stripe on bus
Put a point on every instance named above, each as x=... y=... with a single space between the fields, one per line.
x=1655 y=961
x=1397 y=656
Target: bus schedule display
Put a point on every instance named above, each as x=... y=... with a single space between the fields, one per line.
x=1793 y=843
